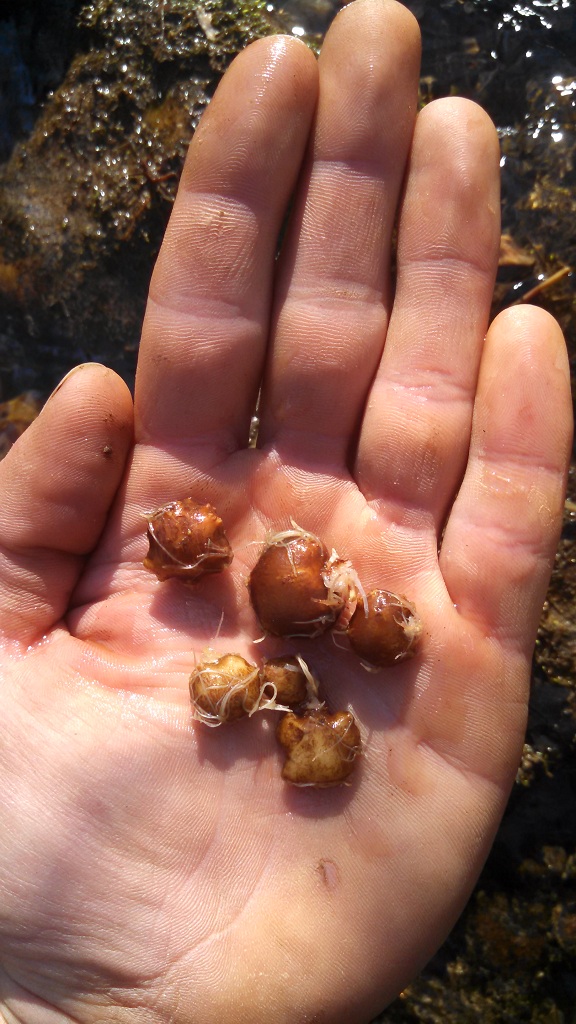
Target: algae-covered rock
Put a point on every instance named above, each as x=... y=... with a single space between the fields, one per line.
x=85 y=200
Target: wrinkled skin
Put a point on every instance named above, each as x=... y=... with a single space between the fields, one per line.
x=154 y=871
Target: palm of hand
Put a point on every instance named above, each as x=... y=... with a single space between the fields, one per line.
x=152 y=869
x=167 y=846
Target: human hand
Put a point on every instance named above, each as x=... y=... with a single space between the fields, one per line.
x=153 y=870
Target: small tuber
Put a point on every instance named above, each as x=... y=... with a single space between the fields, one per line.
x=297 y=588
x=321 y=749
x=225 y=689
x=289 y=681
x=387 y=632
x=186 y=541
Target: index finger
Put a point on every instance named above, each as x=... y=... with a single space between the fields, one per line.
x=206 y=323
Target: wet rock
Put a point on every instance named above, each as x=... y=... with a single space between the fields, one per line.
x=85 y=200
x=36 y=46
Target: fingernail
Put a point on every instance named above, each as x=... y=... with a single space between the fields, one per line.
x=66 y=377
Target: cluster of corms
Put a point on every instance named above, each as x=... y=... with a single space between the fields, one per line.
x=297 y=589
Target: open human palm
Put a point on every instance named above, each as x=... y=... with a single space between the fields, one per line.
x=155 y=870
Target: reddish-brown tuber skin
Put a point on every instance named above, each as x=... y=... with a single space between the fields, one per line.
x=286 y=675
x=390 y=632
x=287 y=588
x=225 y=689
x=186 y=541
x=321 y=749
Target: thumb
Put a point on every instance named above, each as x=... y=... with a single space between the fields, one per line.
x=57 y=485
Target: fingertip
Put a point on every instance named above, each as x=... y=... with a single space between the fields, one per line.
x=466 y=141
x=88 y=386
x=266 y=55
x=452 y=197
x=60 y=477
x=277 y=72
x=377 y=36
x=524 y=389
x=280 y=44
x=464 y=128
x=449 y=109
x=376 y=12
x=525 y=345
x=536 y=331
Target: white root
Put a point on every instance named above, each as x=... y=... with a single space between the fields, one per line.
x=409 y=621
x=211 y=679
x=212 y=549
x=350 y=751
x=284 y=538
x=322 y=620
x=337 y=637
x=344 y=588
x=370 y=668
x=313 y=701
x=220 y=624
x=268 y=703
